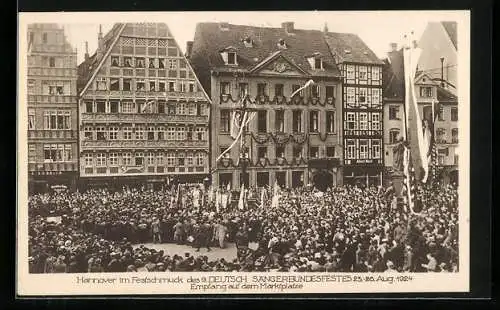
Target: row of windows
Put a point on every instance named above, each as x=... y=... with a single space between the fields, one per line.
x=279 y=90
x=362 y=121
x=140 y=62
x=376 y=73
x=362 y=96
x=129 y=84
x=280 y=152
x=148 y=158
x=52 y=153
x=279 y=121
x=142 y=106
x=363 y=148
x=52 y=120
x=102 y=133
x=395 y=113
x=395 y=133
x=262 y=178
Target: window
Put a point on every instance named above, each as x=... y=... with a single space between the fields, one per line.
x=151 y=133
x=330 y=151
x=441 y=135
x=222 y=150
x=313 y=121
x=189 y=159
x=278 y=90
x=351 y=95
x=52 y=62
x=170 y=159
x=127 y=133
x=330 y=121
x=127 y=84
x=57 y=120
x=101 y=83
x=262 y=121
x=139 y=159
x=454 y=114
x=350 y=149
x=114 y=84
x=376 y=74
x=315 y=91
x=363 y=121
x=314 y=152
x=88 y=106
x=376 y=148
x=31 y=119
x=363 y=149
x=330 y=92
x=231 y=58
x=161 y=107
x=363 y=72
x=101 y=106
x=88 y=133
x=128 y=107
x=242 y=89
x=261 y=89
x=127 y=159
x=295 y=88
x=171 y=133
x=113 y=159
x=88 y=160
x=262 y=152
x=455 y=159
x=139 y=62
x=171 y=86
x=393 y=135
x=425 y=91
x=100 y=160
x=224 y=88
x=192 y=109
x=181 y=133
x=139 y=133
x=31 y=153
x=200 y=133
x=161 y=86
x=150 y=159
x=31 y=87
x=375 y=121
x=181 y=109
x=262 y=179
x=362 y=95
x=101 y=133
x=152 y=85
x=297 y=121
x=189 y=133
x=160 y=159
x=161 y=63
x=127 y=62
x=171 y=109
x=113 y=133
x=224 y=120
x=115 y=61
x=140 y=85
x=44 y=37
x=280 y=152
x=279 y=120
x=152 y=63
x=350 y=72
x=394 y=113
x=442 y=154
x=454 y=135
x=297 y=151
x=191 y=87
x=376 y=96
x=113 y=106
x=351 y=121
x=161 y=133
x=200 y=159
x=318 y=63
x=172 y=64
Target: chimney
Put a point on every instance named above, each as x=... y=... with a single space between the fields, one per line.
x=394 y=47
x=325 y=28
x=100 y=40
x=189 y=47
x=287 y=26
x=86 y=50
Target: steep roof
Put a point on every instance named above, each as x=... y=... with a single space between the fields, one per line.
x=445 y=95
x=350 y=48
x=88 y=66
x=451 y=30
x=210 y=39
x=393 y=76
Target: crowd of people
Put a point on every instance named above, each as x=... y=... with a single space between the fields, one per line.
x=344 y=229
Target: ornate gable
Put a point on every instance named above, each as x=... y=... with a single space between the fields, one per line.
x=278 y=64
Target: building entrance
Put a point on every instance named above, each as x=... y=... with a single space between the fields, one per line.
x=322 y=180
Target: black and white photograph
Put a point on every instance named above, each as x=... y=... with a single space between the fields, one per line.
x=191 y=151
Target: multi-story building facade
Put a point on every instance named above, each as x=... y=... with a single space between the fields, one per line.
x=143 y=114
x=362 y=121
x=293 y=141
x=52 y=108
x=428 y=91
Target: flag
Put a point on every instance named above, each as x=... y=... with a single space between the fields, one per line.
x=276 y=197
x=241 y=201
x=308 y=83
x=263 y=196
x=148 y=107
x=217 y=200
x=210 y=194
x=236 y=122
x=177 y=195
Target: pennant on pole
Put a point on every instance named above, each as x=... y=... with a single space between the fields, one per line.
x=241 y=201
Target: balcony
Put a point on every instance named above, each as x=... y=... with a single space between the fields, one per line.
x=52 y=134
x=41 y=99
x=66 y=166
x=55 y=72
x=142 y=144
x=142 y=118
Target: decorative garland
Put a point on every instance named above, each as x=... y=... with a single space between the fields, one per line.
x=263 y=162
x=283 y=138
x=278 y=100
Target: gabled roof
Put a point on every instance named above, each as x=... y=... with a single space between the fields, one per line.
x=209 y=39
x=393 y=76
x=451 y=30
x=445 y=95
x=87 y=67
x=349 y=47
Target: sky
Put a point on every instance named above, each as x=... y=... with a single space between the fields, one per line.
x=376 y=28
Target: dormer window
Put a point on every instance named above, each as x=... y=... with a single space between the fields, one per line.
x=316 y=61
x=282 y=44
x=229 y=56
x=248 y=42
x=318 y=64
